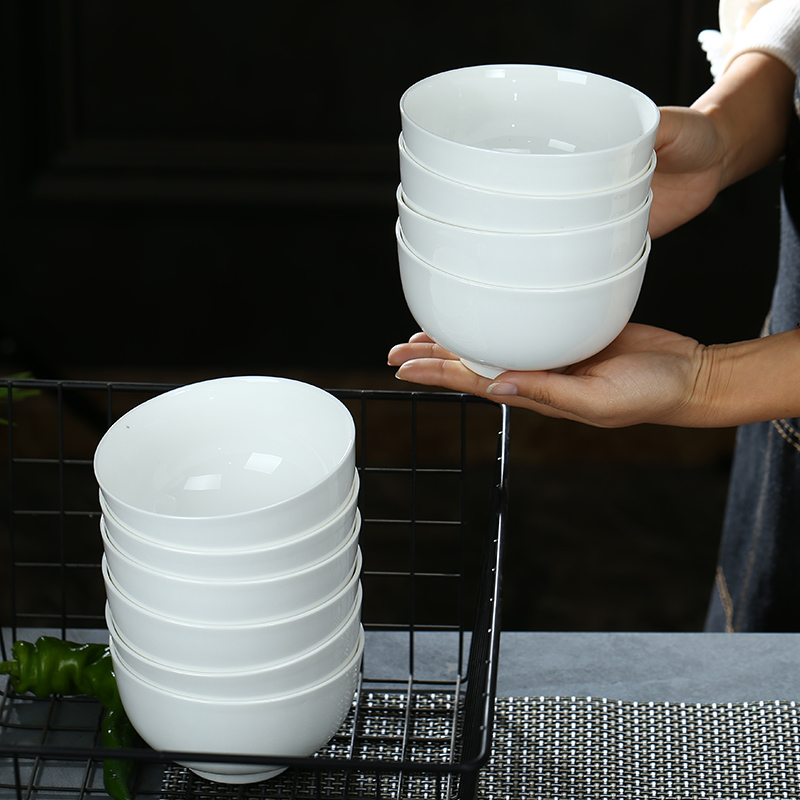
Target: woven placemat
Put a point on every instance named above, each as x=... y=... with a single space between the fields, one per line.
x=571 y=748
x=577 y=748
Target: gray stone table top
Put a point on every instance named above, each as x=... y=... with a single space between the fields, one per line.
x=657 y=667
x=644 y=667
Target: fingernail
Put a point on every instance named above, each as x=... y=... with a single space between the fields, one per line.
x=500 y=388
x=398 y=375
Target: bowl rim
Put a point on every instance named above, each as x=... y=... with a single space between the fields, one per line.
x=122 y=642
x=351 y=662
x=645 y=101
x=628 y=265
x=542 y=290
x=343 y=460
x=217 y=554
x=589 y=230
x=346 y=587
x=645 y=174
x=345 y=507
x=349 y=542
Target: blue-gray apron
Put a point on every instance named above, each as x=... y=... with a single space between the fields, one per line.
x=757 y=584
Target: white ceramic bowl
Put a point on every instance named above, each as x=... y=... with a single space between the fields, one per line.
x=276 y=559
x=527 y=260
x=475 y=207
x=284 y=677
x=529 y=128
x=232 y=601
x=296 y=724
x=498 y=328
x=233 y=463
x=195 y=646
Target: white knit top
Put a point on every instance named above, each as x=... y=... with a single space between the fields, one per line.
x=769 y=26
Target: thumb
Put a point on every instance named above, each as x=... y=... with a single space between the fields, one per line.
x=668 y=126
x=580 y=398
x=551 y=391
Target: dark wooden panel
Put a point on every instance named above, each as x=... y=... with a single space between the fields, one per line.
x=205 y=182
x=252 y=102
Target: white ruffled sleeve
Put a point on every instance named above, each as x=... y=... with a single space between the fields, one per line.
x=769 y=26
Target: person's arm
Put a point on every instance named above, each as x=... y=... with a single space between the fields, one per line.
x=738 y=126
x=750 y=107
x=647 y=375
x=750 y=381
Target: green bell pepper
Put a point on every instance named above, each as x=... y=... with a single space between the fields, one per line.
x=55 y=666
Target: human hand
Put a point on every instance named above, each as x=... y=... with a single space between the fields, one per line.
x=647 y=375
x=689 y=171
x=732 y=130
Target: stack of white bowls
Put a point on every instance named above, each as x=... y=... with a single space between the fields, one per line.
x=232 y=565
x=524 y=206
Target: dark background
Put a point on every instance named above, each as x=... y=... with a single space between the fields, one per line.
x=193 y=189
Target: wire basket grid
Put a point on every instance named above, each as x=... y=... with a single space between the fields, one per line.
x=433 y=469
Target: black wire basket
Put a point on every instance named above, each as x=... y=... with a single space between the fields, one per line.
x=434 y=482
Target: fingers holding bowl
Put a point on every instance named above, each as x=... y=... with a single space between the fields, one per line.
x=420 y=345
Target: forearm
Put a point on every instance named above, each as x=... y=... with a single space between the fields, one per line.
x=749 y=381
x=750 y=107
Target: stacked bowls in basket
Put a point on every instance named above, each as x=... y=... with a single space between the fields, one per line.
x=231 y=562
x=524 y=205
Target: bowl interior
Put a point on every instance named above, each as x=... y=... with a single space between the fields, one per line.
x=529 y=109
x=224 y=447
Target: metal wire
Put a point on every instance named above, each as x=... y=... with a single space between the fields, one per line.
x=406 y=734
